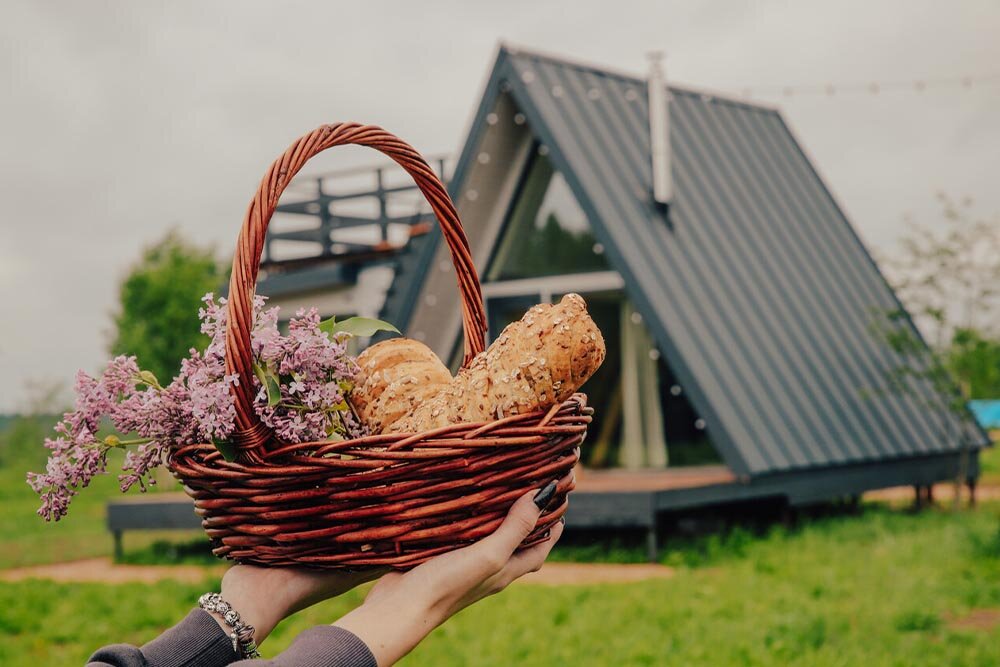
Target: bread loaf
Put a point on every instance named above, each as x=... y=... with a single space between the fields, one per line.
x=395 y=375
x=533 y=364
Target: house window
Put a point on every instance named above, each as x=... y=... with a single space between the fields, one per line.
x=547 y=232
x=642 y=417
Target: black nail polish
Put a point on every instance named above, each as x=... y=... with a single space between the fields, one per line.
x=543 y=497
x=562 y=520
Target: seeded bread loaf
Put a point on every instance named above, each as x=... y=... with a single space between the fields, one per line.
x=535 y=363
x=395 y=375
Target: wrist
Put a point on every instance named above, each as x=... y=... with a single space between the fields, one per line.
x=241 y=633
x=256 y=608
x=262 y=596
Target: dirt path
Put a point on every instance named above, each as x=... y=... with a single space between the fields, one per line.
x=943 y=492
x=978 y=619
x=104 y=571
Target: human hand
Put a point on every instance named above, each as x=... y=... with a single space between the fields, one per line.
x=264 y=596
x=402 y=608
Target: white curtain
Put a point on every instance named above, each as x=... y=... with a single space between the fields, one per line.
x=643 y=444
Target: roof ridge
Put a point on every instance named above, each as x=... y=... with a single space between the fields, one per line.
x=567 y=61
x=682 y=89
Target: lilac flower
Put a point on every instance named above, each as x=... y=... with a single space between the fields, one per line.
x=312 y=370
x=138 y=464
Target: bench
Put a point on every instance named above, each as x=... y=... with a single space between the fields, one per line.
x=152 y=511
x=603 y=499
x=175 y=511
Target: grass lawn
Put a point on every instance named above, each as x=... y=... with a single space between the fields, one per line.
x=882 y=588
x=25 y=539
x=879 y=589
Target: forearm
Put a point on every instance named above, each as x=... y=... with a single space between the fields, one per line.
x=199 y=641
x=402 y=609
x=390 y=631
x=322 y=646
x=195 y=641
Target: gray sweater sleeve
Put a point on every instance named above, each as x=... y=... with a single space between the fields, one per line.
x=199 y=641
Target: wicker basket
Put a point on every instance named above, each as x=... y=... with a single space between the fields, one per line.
x=384 y=500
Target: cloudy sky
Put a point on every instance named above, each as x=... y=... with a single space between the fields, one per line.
x=121 y=119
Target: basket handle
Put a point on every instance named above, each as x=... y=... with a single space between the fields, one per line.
x=250 y=433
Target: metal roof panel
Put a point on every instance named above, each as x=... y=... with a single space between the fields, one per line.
x=757 y=288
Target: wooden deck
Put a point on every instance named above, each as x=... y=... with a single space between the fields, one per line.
x=667 y=479
x=633 y=498
x=636 y=499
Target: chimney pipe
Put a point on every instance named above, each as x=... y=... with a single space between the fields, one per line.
x=659 y=130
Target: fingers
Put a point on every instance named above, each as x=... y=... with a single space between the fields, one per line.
x=530 y=559
x=520 y=521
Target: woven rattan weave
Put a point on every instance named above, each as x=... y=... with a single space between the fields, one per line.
x=395 y=499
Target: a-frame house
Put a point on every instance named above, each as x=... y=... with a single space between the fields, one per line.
x=738 y=308
x=739 y=315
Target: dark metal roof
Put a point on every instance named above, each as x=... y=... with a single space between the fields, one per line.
x=757 y=289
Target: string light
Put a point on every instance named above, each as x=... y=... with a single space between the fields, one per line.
x=873 y=87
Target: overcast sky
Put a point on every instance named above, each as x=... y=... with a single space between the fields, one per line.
x=123 y=119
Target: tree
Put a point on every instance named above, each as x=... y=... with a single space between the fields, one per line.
x=948 y=279
x=975 y=360
x=948 y=275
x=159 y=300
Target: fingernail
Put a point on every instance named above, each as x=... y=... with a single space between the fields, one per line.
x=545 y=494
x=562 y=520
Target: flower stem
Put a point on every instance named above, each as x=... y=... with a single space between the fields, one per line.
x=113 y=441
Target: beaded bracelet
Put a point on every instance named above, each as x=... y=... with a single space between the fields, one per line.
x=242 y=634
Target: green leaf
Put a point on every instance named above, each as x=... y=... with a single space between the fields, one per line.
x=147 y=377
x=328 y=325
x=227 y=449
x=356 y=326
x=270 y=383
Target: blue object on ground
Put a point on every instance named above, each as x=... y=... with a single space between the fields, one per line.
x=987 y=412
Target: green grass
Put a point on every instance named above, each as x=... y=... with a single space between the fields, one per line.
x=989 y=464
x=25 y=539
x=876 y=589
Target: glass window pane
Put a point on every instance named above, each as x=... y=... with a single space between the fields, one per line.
x=547 y=232
x=686 y=443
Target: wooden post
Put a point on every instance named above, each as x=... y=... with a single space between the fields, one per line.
x=118 y=551
x=971 y=483
x=788 y=516
x=652 y=548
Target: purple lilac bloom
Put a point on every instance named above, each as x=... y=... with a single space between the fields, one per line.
x=76 y=456
x=313 y=370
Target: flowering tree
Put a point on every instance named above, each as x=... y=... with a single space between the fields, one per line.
x=948 y=278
